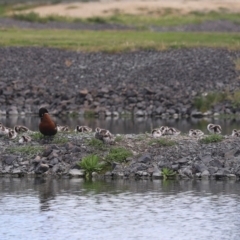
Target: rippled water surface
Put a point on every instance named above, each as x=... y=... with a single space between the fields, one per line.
x=76 y=209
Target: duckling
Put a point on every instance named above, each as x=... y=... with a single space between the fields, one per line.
x=62 y=128
x=47 y=126
x=235 y=133
x=213 y=128
x=24 y=139
x=12 y=134
x=195 y=133
x=156 y=133
x=164 y=130
x=103 y=135
x=4 y=130
x=173 y=131
x=21 y=129
x=83 y=129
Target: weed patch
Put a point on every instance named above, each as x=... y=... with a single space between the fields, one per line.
x=212 y=139
x=96 y=144
x=27 y=150
x=162 y=142
x=118 y=154
x=168 y=173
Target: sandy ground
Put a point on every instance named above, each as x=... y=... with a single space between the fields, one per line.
x=110 y=7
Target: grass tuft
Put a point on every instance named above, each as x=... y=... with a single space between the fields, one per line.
x=118 y=154
x=168 y=173
x=212 y=139
x=162 y=142
x=96 y=144
x=91 y=164
x=27 y=150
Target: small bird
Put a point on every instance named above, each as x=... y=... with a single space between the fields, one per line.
x=12 y=134
x=213 y=128
x=235 y=133
x=195 y=133
x=47 y=126
x=173 y=131
x=83 y=129
x=103 y=135
x=156 y=133
x=21 y=129
x=62 y=128
x=4 y=130
x=164 y=130
x=24 y=139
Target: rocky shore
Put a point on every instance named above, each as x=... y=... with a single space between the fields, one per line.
x=187 y=157
x=142 y=83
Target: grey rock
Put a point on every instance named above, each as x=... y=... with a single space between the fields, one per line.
x=10 y=159
x=145 y=158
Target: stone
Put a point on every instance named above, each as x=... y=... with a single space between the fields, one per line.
x=76 y=173
x=145 y=158
x=216 y=163
x=183 y=160
x=10 y=159
x=205 y=173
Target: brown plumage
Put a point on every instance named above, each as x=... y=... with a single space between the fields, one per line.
x=47 y=126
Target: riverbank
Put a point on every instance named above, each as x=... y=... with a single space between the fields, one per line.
x=129 y=156
x=143 y=83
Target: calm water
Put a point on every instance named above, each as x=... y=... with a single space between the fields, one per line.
x=75 y=209
x=127 y=125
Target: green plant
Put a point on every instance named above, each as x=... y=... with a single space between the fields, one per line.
x=96 y=143
x=162 y=142
x=60 y=140
x=27 y=150
x=89 y=114
x=119 y=138
x=168 y=173
x=212 y=139
x=91 y=164
x=37 y=136
x=118 y=154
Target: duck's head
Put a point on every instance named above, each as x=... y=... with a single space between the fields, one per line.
x=42 y=111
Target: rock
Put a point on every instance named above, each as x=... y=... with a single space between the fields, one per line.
x=76 y=173
x=216 y=163
x=205 y=173
x=10 y=159
x=41 y=168
x=145 y=158
x=183 y=160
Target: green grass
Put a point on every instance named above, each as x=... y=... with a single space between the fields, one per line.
x=116 y=41
x=119 y=138
x=27 y=150
x=205 y=103
x=118 y=154
x=96 y=144
x=168 y=173
x=212 y=139
x=91 y=164
x=162 y=142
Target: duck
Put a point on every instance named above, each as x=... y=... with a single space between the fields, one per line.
x=195 y=133
x=235 y=133
x=62 y=128
x=156 y=133
x=24 y=139
x=4 y=130
x=173 y=131
x=12 y=134
x=21 y=129
x=164 y=130
x=83 y=129
x=103 y=135
x=213 y=128
x=47 y=126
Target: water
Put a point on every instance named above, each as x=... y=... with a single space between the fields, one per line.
x=127 y=125
x=123 y=209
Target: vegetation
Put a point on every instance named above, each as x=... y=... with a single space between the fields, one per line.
x=91 y=164
x=60 y=140
x=27 y=150
x=115 y=41
x=212 y=139
x=162 y=142
x=118 y=154
x=119 y=138
x=205 y=103
x=37 y=136
x=97 y=144
x=168 y=173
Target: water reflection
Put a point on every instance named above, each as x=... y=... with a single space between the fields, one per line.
x=123 y=209
x=127 y=125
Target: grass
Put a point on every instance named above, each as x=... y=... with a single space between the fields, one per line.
x=96 y=144
x=212 y=139
x=119 y=138
x=205 y=103
x=168 y=173
x=118 y=154
x=162 y=142
x=27 y=150
x=91 y=164
x=115 y=41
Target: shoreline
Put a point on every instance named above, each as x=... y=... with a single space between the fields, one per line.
x=187 y=157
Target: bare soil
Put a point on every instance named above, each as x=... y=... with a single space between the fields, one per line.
x=110 y=7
